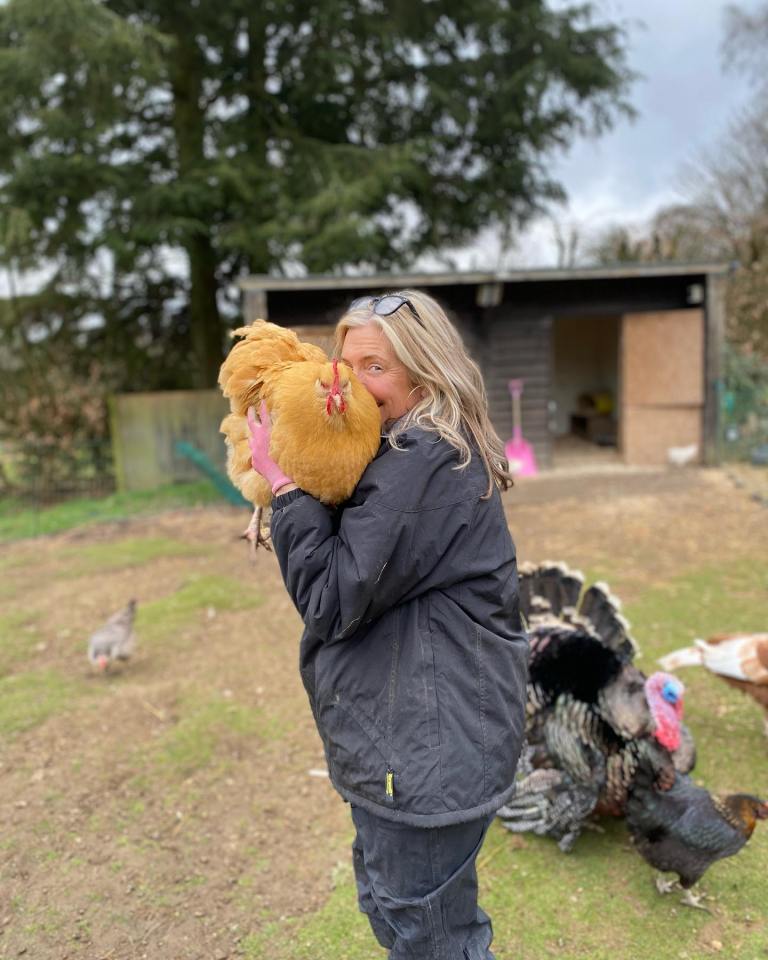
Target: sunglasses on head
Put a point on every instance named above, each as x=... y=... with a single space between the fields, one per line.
x=385 y=305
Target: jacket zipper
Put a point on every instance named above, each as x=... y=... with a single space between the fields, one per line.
x=389 y=781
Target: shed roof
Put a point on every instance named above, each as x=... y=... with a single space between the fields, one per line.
x=324 y=281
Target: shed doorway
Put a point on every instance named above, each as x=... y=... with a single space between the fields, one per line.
x=584 y=402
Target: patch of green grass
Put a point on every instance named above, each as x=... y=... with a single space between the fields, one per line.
x=338 y=930
x=19 y=520
x=16 y=642
x=205 y=725
x=27 y=699
x=707 y=601
x=161 y=619
x=599 y=902
x=131 y=552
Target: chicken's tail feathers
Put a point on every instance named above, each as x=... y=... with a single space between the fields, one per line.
x=738 y=656
x=684 y=657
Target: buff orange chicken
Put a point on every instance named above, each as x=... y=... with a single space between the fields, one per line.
x=325 y=425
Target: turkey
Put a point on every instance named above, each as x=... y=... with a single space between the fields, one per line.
x=592 y=716
x=114 y=640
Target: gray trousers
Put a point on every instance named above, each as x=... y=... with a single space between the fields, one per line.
x=418 y=887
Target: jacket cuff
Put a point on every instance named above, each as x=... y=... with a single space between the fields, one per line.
x=284 y=499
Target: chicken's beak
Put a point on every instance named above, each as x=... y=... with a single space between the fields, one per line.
x=334 y=402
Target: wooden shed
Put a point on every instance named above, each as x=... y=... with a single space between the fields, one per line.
x=619 y=363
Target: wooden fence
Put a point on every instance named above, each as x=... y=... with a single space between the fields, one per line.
x=147 y=426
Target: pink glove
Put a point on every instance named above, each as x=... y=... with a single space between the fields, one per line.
x=260 y=431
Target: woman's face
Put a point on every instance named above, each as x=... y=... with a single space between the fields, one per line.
x=373 y=361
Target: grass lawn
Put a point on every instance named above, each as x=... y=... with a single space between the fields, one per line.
x=19 y=519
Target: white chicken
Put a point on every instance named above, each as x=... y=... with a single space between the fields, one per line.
x=682 y=456
x=741 y=659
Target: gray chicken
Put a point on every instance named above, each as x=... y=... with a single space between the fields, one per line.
x=115 y=640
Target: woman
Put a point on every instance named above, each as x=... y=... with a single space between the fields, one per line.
x=413 y=653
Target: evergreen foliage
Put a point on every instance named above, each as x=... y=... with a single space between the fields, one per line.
x=317 y=135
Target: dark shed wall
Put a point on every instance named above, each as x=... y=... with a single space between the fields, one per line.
x=299 y=307
x=600 y=296
x=519 y=347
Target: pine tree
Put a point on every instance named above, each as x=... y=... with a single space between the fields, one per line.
x=273 y=136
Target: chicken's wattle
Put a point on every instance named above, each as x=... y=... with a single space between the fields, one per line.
x=335 y=397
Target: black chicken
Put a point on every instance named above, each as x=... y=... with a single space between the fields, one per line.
x=685 y=829
x=593 y=717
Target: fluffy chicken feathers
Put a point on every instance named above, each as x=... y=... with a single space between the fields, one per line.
x=256 y=362
x=326 y=426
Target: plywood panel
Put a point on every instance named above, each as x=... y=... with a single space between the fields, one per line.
x=146 y=426
x=649 y=432
x=663 y=358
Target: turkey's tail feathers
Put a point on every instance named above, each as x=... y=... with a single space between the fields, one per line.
x=550 y=591
x=601 y=611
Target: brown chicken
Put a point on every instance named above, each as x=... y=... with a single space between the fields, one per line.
x=326 y=426
x=741 y=659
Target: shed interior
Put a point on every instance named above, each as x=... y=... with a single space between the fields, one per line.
x=584 y=407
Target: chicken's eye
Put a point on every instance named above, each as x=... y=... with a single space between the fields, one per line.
x=324 y=385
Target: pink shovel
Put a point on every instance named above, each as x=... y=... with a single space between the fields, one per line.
x=522 y=461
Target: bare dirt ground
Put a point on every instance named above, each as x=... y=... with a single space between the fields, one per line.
x=167 y=811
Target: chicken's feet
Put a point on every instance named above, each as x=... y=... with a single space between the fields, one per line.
x=254 y=535
x=665 y=886
x=691 y=899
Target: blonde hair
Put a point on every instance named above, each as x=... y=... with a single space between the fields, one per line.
x=453 y=400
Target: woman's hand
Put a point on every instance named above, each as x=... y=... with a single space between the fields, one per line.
x=261 y=461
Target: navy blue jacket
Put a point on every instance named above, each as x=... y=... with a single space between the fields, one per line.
x=413 y=653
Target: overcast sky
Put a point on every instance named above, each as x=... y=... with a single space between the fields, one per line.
x=684 y=101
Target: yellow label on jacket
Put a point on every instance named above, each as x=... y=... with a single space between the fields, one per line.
x=390 y=785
